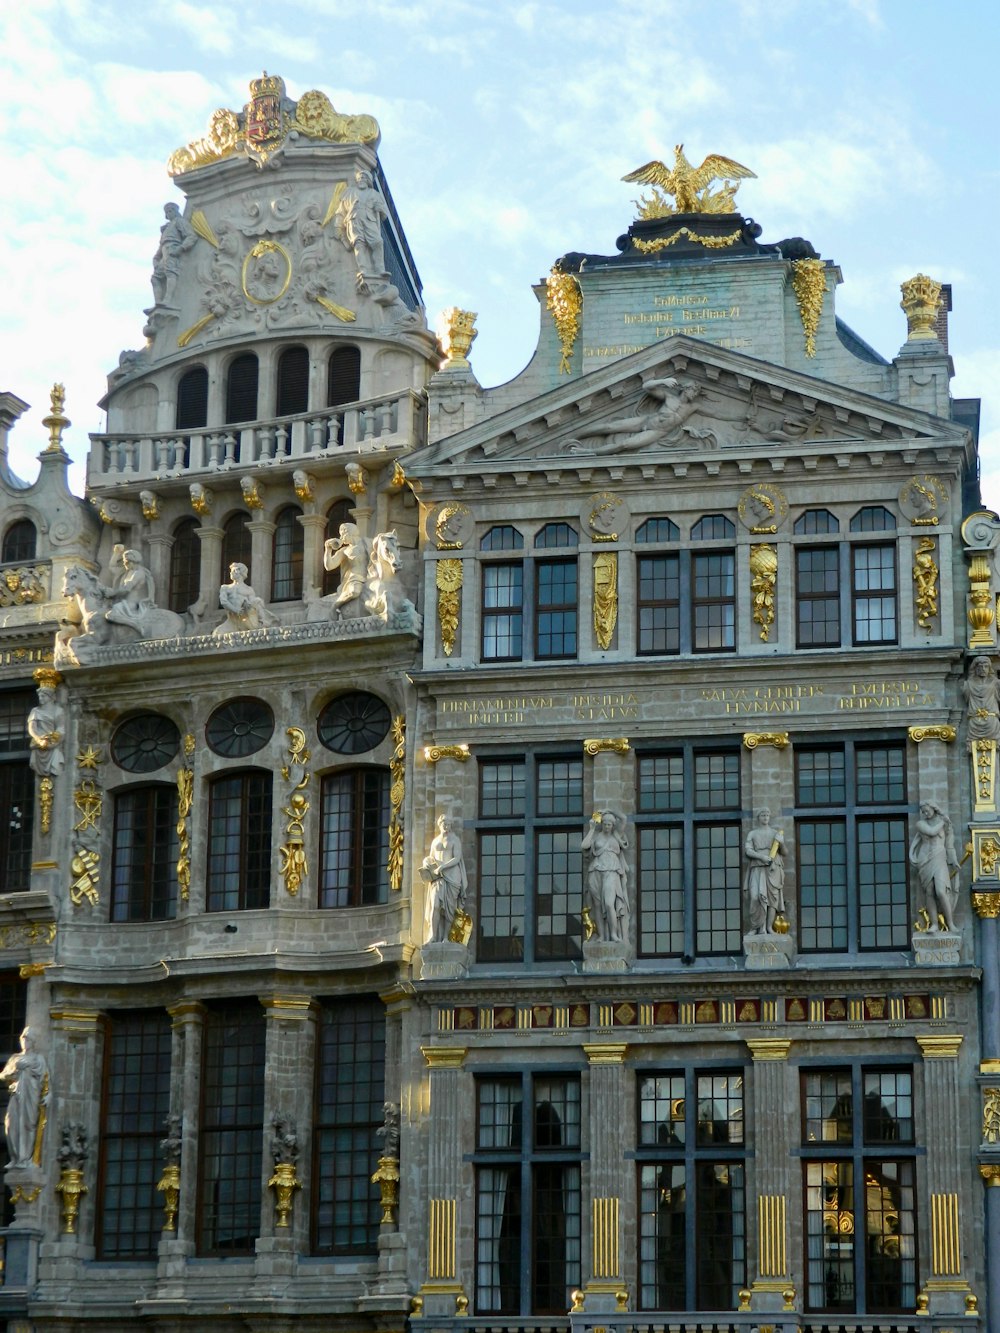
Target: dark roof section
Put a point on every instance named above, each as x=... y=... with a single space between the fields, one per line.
x=857 y=346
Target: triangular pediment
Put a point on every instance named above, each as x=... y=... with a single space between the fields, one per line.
x=683 y=400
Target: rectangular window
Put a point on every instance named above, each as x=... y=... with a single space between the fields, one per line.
x=817 y=596
x=144 y=864
x=713 y=602
x=689 y=848
x=555 y=608
x=350 y=1096
x=873 y=580
x=239 y=842
x=859 y=1189
x=503 y=611
x=136 y=1103
x=528 y=1194
x=659 y=612
x=232 y=1137
x=17 y=791
x=354 y=838
x=530 y=862
x=692 y=1190
x=850 y=830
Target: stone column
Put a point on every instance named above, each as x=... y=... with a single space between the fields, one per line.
x=176 y=1247
x=76 y=1049
x=211 y=569
x=261 y=534
x=160 y=545
x=990 y=1172
x=288 y=1082
x=314 y=526
x=612 y=1187
x=442 y=1288
x=775 y=1127
x=946 y=1285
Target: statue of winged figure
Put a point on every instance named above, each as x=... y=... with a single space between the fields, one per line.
x=689 y=185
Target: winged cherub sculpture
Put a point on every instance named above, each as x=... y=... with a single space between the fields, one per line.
x=689 y=185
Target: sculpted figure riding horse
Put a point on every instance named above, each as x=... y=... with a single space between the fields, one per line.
x=100 y=616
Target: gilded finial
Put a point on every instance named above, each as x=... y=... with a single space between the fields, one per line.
x=457 y=331
x=921 y=302
x=57 y=420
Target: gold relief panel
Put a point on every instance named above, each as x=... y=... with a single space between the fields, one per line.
x=448 y=578
x=24 y=584
x=984 y=769
x=985 y=854
x=605 y=517
x=451 y=527
x=763 y=576
x=763 y=508
x=605 y=597
x=991 y=1116
x=397 y=792
x=923 y=500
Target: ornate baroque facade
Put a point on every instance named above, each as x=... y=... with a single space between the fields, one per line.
x=499 y=858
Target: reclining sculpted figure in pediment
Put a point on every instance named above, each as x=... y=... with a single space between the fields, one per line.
x=662 y=418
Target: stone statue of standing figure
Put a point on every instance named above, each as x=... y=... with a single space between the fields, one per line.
x=607 y=876
x=764 y=884
x=982 y=700
x=933 y=857
x=26 y=1075
x=47 y=727
x=443 y=870
x=358 y=223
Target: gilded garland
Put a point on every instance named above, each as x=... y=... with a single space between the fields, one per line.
x=564 y=302
x=809 y=286
x=448 y=578
x=709 y=242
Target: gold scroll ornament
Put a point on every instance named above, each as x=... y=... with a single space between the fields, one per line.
x=397 y=793
x=448 y=579
x=605 y=597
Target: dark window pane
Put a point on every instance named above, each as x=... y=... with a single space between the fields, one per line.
x=344 y=376
x=354 y=838
x=555 y=609
x=239 y=842
x=502 y=538
x=144 y=864
x=185 y=566
x=713 y=527
x=873 y=518
x=288 y=545
x=293 y=382
x=815 y=522
x=557 y=534
x=241 y=389
x=658 y=530
x=192 y=399
x=237 y=544
x=19 y=542
x=659 y=604
x=502 y=612
x=817 y=596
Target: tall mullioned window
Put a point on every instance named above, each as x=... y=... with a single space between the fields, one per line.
x=239 y=842
x=287 y=549
x=846 y=591
x=144 y=864
x=851 y=843
x=354 y=837
x=692 y=1190
x=860 y=1190
x=350 y=1093
x=231 y=1129
x=530 y=877
x=528 y=1193
x=135 y=1104
x=185 y=565
x=530 y=608
x=686 y=596
x=689 y=847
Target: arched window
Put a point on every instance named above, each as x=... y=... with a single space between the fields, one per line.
x=341 y=511
x=192 y=399
x=144 y=865
x=293 y=382
x=343 y=384
x=286 y=556
x=239 y=842
x=19 y=542
x=185 y=565
x=237 y=542
x=241 y=389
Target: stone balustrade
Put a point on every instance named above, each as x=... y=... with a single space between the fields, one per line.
x=393 y=420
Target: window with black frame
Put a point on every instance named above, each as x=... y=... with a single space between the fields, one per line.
x=231 y=1130
x=859 y=1188
x=851 y=846
x=136 y=1100
x=530 y=608
x=689 y=839
x=185 y=566
x=692 y=1190
x=144 y=854
x=528 y=1193
x=17 y=791
x=239 y=842
x=529 y=858
x=349 y=1111
x=686 y=595
x=846 y=591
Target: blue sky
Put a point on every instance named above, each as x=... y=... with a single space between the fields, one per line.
x=506 y=127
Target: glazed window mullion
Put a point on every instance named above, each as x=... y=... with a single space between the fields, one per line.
x=144 y=865
x=354 y=838
x=239 y=842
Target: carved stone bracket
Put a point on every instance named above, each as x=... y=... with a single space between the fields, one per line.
x=612 y=745
x=433 y=754
x=779 y=739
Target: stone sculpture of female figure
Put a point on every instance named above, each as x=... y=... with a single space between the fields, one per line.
x=26 y=1074
x=443 y=870
x=933 y=857
x=982 y=700
x=607 y=875
x=764 y=884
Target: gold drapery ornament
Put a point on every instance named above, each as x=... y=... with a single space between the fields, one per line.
x=809 y=286
x=709 y=242
x=779 y=739
x=448 y=580
x=457 y=334
x=397 y=792
x=612 y=745
x=925 y=582
x=564 y=302
x=284 y=1183
x=57 y=420
x=764 y=571
x=293 y=865
x=921 y=303
x=605 y=597
x=943 y=732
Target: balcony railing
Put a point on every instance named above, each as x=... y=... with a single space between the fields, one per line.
x=393 y=420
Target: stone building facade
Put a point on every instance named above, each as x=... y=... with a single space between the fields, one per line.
x=492 y=858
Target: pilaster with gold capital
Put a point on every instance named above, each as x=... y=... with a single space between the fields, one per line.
x=612 y=1185
x=187 y=1028
x=448 y=1099
x=75 y=1059
x=288 y=1102
x=776 y=1133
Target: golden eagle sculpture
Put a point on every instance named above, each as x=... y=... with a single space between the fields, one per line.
x=689 y=185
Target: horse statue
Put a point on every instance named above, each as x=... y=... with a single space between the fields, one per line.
x=92 y=622
x=385 y=596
